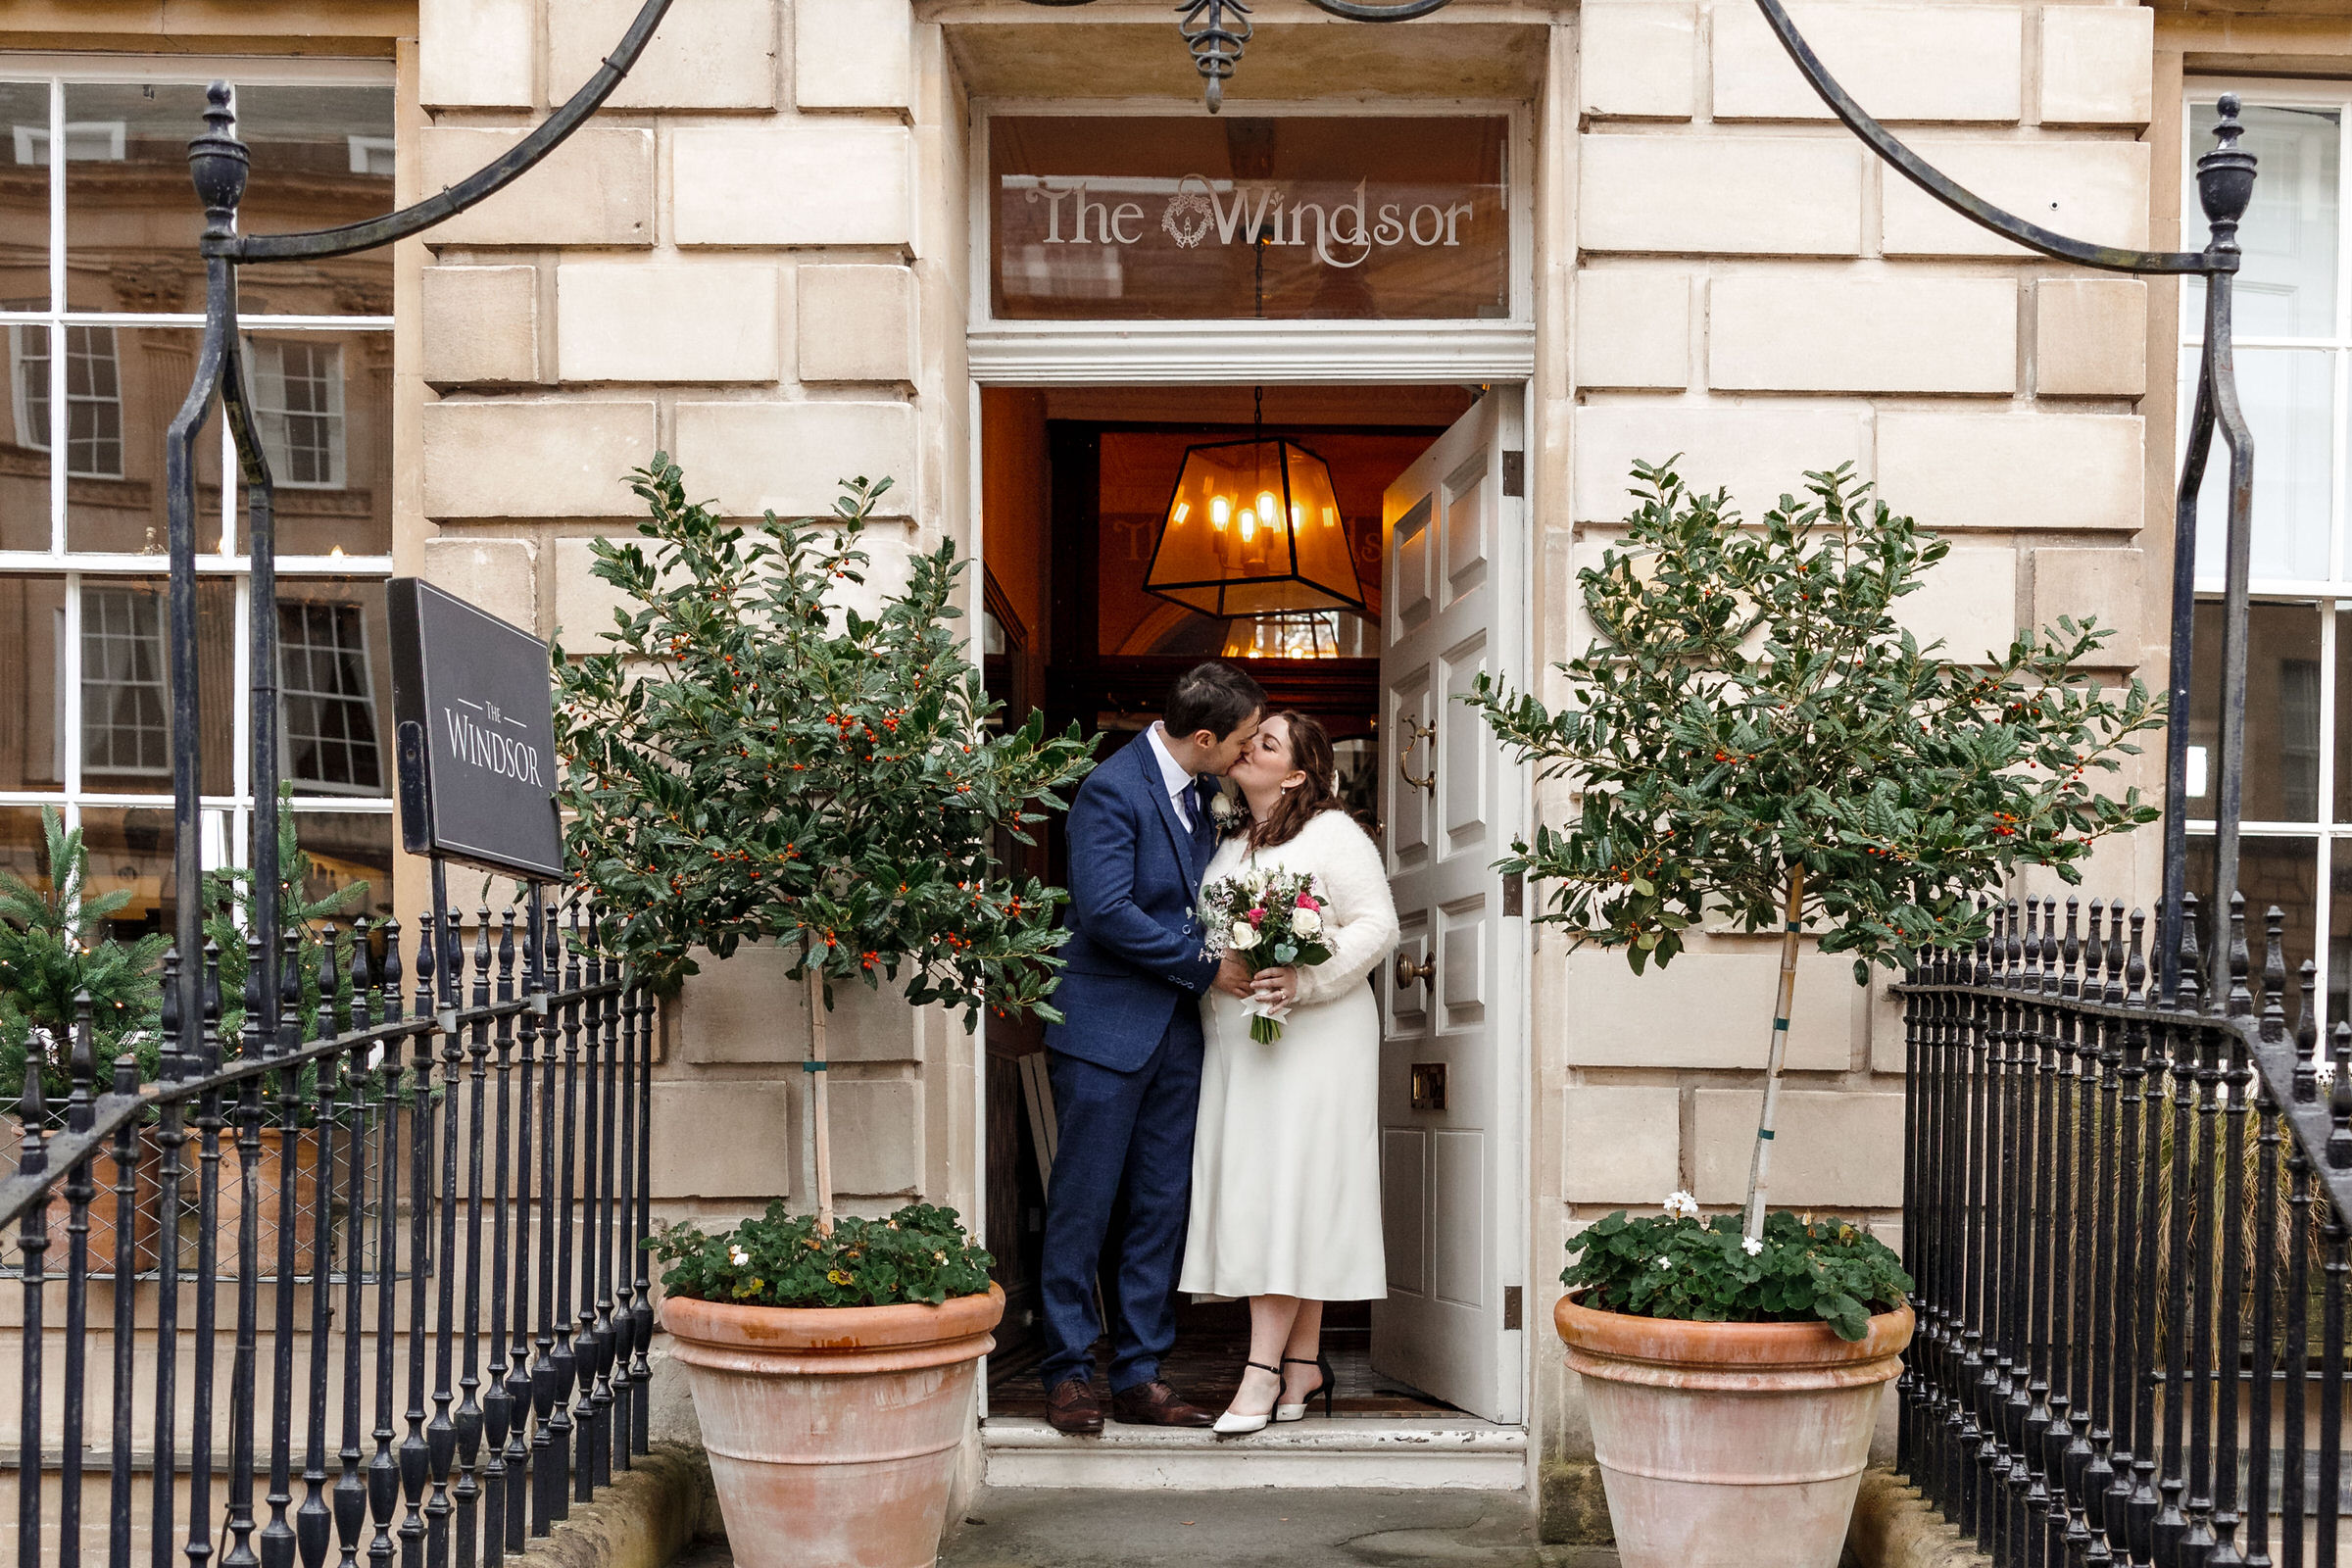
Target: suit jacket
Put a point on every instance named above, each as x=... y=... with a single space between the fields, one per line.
x=1135 y=953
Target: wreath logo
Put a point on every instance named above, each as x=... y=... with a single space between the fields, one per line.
x=1189 y=216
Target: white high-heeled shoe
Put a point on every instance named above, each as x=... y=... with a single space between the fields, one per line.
x=1231 y=1425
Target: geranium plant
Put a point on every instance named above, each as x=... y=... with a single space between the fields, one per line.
x=1758 y=744
x=1677 y=1265
x=748 y=759
x=920 y=1254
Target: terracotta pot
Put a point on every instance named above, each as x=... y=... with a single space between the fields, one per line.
x=832 y=1430
x=1738 y=1445
x=231 y=1204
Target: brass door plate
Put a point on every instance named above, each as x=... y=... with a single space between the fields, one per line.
x=1428 y=1086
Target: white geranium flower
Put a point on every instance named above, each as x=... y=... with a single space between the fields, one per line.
x=1680 y=1206
x=1665 y=1262
x=1306 y=924
x=1753 y=1246
x=1244 y=934
x=739 y=1258
x=1222 y=808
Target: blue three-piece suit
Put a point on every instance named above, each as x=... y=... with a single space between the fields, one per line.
x=1125 y=1065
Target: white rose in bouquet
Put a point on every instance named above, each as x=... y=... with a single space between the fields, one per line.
x=1306 y=924
x=1244 y=934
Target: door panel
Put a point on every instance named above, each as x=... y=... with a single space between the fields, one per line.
x=1452 y=1204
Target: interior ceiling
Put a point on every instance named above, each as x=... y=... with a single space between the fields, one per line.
x=1433 y=407
x=1285 y=62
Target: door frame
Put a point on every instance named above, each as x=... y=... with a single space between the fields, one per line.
x=1501 y=354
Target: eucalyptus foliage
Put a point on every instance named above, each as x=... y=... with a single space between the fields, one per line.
x=746 y=758
x=1749 y=707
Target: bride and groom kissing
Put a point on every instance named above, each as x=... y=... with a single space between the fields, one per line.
x=1210 y=1163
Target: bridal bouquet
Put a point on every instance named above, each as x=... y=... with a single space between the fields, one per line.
x=1270 y=920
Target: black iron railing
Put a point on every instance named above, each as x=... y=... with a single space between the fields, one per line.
x=475 y=1142
x=2127 y=1214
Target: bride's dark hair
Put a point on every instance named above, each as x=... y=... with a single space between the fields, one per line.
x=1311 y=755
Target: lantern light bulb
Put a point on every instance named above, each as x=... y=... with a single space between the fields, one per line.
x=1268 y=508
x=1183 y=510
x=1219 y=510
x=1330 y=516
x=1249 y=525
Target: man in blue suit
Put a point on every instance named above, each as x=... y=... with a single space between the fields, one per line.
x=1126 y=1064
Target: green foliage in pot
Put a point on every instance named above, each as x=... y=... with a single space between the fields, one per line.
x=747 y=760
x=1677 y=1265
x=1757 y=742
x=1750 y=709
x=54 y=945
x=227 y=917
x=918 y=1255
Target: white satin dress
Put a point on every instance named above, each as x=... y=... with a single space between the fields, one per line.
x=1286 y=1156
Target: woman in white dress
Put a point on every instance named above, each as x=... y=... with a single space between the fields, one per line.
x=1285 y=1158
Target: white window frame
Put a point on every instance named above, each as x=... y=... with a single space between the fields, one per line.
x=226 y=818
x=1116 y=353
x=95 y=595
x=287 y=691
x=266 y=391
x=2328 y=595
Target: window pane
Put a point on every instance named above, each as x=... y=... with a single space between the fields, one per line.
x=25 y=195
x=2288 y=395
x=321 y=156
x=336 y=681
x=130 y=851
x=2283 y=713
x=22 y=847
x=134 y=380
x=2282 y=871
x=324 y=402
x=25 y=439
x=346 y=848
x=33 y=702
x=126 y=688
x=1285 y=218
x=2287 y=287
x=128 y=206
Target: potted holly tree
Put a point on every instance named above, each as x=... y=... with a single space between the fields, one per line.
x=1756 y=744
x=750 y=759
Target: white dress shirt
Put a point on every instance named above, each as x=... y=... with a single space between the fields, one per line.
x=1173 y=774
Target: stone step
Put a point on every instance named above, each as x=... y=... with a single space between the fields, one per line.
x=1383 y=1453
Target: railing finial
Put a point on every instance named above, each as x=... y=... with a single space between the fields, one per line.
x=2226 y=177
x=219 y=162
x=2306 y=1037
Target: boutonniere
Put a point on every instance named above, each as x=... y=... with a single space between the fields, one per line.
x=1225 y=811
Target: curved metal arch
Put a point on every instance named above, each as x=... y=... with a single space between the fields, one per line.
x=482 y=183
x=1967 y=203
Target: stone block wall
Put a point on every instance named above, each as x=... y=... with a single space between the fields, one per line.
x=732 y=265
x=1753 y=289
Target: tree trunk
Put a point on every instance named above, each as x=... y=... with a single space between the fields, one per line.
x=1760 y=1165
x=822 y=1106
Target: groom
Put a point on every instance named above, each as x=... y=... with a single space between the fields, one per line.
x=1126 y=1064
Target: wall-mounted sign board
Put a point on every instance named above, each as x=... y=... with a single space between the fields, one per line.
x=472 y=702
x=1296 y=218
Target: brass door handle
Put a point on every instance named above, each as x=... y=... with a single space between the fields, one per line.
x=1414 y=733
x=1408 y=971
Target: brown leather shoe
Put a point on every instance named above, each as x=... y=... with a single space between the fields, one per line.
x=1155 y=1405
x=1071 y=1406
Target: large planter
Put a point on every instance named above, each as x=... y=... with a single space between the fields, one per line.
x=1738 y=1445
x=832 y=1430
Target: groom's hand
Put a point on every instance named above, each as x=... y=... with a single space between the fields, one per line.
x=1233 y=978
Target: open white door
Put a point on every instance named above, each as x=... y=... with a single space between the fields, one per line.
x=1452 y=1048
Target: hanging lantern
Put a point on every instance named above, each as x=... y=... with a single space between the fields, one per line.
x=1253 y=529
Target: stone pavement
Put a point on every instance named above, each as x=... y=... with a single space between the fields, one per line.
x=1023 y=1528
x=1009 y=1528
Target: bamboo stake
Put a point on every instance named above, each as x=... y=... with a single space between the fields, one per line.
x=822 y=1105
x=1759 y=1167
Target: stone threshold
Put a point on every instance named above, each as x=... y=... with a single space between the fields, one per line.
x=1382 y=1452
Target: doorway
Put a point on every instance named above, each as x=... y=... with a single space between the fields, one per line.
x=1075 y=482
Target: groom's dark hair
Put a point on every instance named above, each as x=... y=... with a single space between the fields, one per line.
x=1216 y=698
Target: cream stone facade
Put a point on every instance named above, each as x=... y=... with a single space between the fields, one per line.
x=760 y=257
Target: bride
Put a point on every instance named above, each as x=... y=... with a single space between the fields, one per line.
x=1285 y=1158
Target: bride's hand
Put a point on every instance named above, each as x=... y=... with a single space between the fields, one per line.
x=1233 y=978
x=1277 y=988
